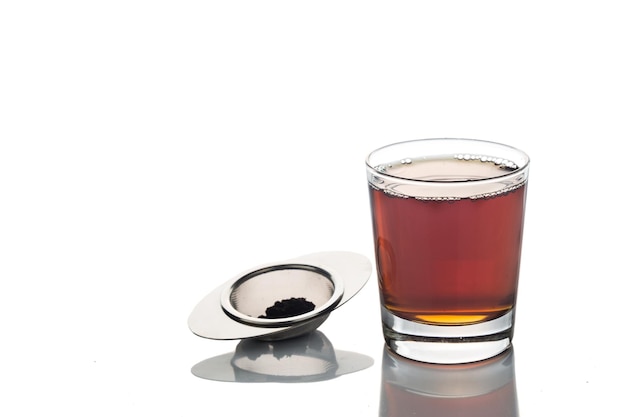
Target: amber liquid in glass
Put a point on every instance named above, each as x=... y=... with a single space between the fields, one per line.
x=448 y=262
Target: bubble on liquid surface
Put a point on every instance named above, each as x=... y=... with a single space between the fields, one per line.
x=377 y=180
x=500 y=162
x=406 y=161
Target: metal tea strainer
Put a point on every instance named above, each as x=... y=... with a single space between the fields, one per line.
x=238 y=309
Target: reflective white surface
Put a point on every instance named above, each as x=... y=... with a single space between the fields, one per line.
x=151 y=150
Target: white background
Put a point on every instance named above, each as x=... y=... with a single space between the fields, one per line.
x=151 y=150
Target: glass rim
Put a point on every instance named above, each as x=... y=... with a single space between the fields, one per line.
x=519 y=167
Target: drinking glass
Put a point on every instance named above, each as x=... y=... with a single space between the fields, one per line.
x=448 y=218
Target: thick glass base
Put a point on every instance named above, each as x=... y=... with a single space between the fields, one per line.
x=447 y=344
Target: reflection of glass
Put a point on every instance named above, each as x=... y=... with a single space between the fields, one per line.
x=310 y=357
x=479 y=389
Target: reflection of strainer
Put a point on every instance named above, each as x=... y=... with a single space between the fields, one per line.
x=310 y=357
x=307 y=357
x=236 y=310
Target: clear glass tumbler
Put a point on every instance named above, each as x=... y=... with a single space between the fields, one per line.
x=448 y=218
